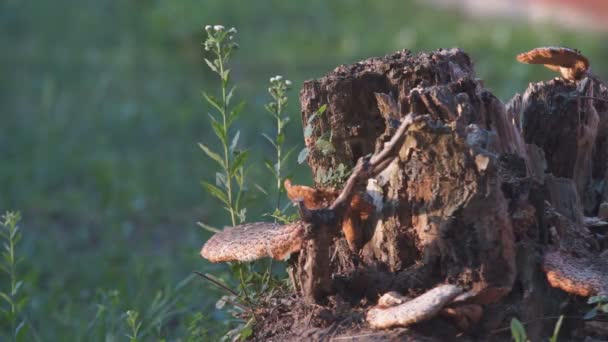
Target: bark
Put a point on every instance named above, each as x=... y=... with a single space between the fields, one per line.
x=478 y=192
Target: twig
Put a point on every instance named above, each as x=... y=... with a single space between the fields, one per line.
x=216 y=283
x=365 y=168
x=224 y=287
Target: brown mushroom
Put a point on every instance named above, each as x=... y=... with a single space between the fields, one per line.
x=419 y=309
x=584 y=276
x=252 y=241
x=570 y=63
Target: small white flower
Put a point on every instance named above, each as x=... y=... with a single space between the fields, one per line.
x=208 y=27
x=288 y=83
x=232 y=30
x=278 y=77
x=271 y=79
x=218 y=27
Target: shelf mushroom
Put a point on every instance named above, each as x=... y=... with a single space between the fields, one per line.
x=252 y=241
x=570 y=63
x=584 y=276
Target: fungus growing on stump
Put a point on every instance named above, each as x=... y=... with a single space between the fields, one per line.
x=570 y=63
x=502 y=205
x=580 y=276
x=252 y=241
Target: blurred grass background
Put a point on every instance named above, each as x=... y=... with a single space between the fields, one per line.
x=101 y=112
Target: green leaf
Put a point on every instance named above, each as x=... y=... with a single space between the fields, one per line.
x=517 y=331
x=239 y=161
x=308 y=131
x=220 y=132
x=280 y=139
x=260 y=189
x=212 y=155
x=302 y=155
x=590 y=314
x=226 y=76
x=604 y=308
x=235 y=141
x=242 y=214
x=220 y=179
x=211 y=65
x=247 y=329
x=20 y=331
x=558 y=326
x=325 y=146
x=269 y=140
x=8 y=299
x=270 y=167
x=288 y=154
x=235 y=112
x=230 y=94
x=322 y=109
x=270 y=110
x=208 y=227
x=213 y=101
x=312 y=118
x=216 y=192
x=16 y=289
x=597 y=299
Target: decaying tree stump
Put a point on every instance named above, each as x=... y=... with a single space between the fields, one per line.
x=482 y=196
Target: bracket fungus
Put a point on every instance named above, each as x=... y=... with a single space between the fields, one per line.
x=252 y=241
x=570 y=63
x=585 y=276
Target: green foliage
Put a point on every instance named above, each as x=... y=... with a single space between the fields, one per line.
x=14 y=301
x=518 y=332
x=308 y=132
x=196 y=328
x=132 y=320
x=556 y=329
x=231 y=161
x=278 y=91
x=601 y=306
x=253 y=285
x=333 y=177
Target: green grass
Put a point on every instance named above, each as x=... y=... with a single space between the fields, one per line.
x=102 y=111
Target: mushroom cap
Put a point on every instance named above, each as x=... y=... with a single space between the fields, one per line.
x=555 y=56
x=252 y=241
x=587 y=276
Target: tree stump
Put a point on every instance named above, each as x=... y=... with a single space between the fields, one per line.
x=480 y=192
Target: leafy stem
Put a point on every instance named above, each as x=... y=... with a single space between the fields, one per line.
x=231 y=161
x=278 y=91
x=11 y=234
